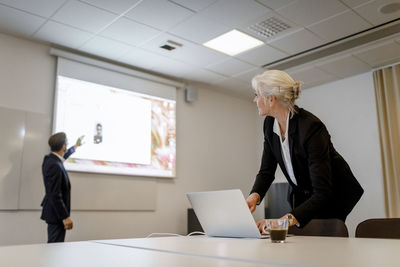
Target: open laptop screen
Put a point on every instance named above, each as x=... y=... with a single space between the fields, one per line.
x=224 y=213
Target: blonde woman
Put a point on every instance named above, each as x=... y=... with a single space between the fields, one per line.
x=321 y=182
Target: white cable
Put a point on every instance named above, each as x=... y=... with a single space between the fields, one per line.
x=172 y=234
x=150 y=235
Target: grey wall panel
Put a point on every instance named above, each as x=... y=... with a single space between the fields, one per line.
x=104 y=192
x=11 y=144
x=37 y=132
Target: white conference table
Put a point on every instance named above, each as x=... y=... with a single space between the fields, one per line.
x=205 y=251
x=88 y=254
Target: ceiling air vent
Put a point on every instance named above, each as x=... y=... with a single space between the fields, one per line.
x=167 y=47
x=170 y=45
x=269 y=27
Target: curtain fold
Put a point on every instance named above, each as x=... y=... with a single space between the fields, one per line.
x=387 y=93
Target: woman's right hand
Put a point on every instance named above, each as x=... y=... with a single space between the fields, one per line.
x=261 y=226
x=252 y=201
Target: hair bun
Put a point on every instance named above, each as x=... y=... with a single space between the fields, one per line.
x=296 y=89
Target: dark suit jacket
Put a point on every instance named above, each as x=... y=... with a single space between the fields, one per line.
x=326 y=187
x=57 y=200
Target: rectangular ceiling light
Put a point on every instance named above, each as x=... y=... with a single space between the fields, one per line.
x=233 y=43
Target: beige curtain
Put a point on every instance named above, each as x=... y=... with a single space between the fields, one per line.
x=387 y=93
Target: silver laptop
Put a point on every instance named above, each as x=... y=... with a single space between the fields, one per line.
x=224 y=213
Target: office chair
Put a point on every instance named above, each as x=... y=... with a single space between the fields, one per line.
x=321 y=227
x=379 y=228
x=276 y=204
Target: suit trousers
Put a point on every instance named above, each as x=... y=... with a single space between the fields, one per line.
x=55 y=233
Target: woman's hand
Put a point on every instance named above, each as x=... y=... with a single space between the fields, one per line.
x=252 y=201
x=261 y=226
x=291 y=219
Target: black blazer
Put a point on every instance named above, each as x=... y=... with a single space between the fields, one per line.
x=57 y=200
x=326 y=187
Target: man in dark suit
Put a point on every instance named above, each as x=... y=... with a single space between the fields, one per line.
x=322 y=185
x=57 y=200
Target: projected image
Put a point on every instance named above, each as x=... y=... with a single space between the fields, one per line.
x=98 y=137
x=125 y=132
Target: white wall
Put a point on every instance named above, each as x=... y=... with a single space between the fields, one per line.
x=216 y=140
x=348 y=109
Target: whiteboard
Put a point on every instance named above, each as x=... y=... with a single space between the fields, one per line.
x=23 y=141
x=37 y=129
x=11 y=144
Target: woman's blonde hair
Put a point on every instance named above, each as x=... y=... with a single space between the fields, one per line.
x=279 y=84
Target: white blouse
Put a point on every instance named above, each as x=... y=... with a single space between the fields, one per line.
x=285 y=149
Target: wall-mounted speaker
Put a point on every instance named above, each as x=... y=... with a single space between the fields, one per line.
x=190 y=93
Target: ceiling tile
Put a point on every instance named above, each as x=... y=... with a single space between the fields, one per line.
x=296 y=41
x=194 y=5
x=230 y=67
x=62 y=34
x=247 y=76
x=13 y=20
x=141 y=58
x=257 y=27
x=129 y=32
x=309 y=75
x=160 y=14
x=189 y=52
x=202 y=75
x=354 y=3
x=116 y=6
x=370 y=11
x=261 y=55
x=306 y=12
x=275 y=4
x=199 y=29
x=380 y=54
x=339 y=26
x=234 y=13
x=44 y=8
x=200 y=56
x=83 y=16
x=154 y=45
x=344 y=66
x=104 y=47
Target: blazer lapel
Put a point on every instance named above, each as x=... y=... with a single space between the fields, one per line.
x=293 y=124
x=278 y=155
x=276 y=147
x=291 y=133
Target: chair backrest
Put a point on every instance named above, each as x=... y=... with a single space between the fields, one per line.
x=276 y=204
x=379 y=228
x=321 y=227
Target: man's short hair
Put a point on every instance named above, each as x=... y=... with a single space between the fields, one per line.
x=57 y=140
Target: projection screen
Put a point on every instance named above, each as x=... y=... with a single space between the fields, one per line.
x=129 y=123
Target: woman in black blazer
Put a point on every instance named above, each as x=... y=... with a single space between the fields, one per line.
x=322 y=185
